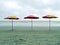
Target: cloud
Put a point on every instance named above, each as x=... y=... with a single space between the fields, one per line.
x=22 y=8
x=57 y=13
x=11 y=5
x=39 y=4
x=48 y=1
x=48 y=10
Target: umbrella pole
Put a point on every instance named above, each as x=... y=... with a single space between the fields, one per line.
x=31 y=24
x=49 y=25
x=12 y=25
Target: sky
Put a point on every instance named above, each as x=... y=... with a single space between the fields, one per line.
x=22 y=8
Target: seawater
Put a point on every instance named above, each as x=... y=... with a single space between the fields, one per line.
x=28 y=23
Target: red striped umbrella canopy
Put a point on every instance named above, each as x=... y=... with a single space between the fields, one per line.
x=31 y=17
x=49 y=16
x=12 y=17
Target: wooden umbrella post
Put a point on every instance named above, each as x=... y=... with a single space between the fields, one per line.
x=49 y=24
x=12 y=25
x=31 y=24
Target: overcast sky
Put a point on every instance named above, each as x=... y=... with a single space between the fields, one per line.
x=22 y=8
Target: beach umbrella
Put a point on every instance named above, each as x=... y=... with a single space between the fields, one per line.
x=49 y=17
x=31 y=17
x=12 y=18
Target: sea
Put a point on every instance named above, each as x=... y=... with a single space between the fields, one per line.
x=26 y=25
x=30 y=33
x=29 y=23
